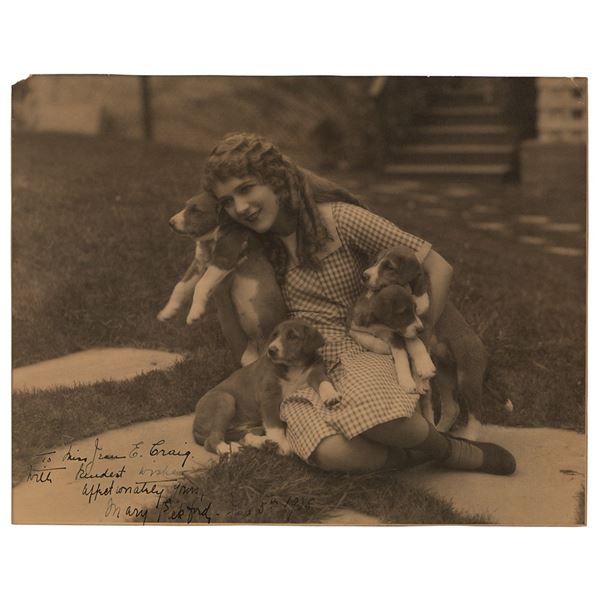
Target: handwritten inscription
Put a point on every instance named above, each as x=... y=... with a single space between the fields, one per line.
x=124 y=485
x=42 y=471
x=143 y=481
x=157 y=450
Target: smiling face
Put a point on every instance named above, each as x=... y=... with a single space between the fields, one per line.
x=249 y=202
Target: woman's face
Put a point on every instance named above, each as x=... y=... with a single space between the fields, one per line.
x=248 y=202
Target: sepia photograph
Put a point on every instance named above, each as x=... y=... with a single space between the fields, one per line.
x=316 y=300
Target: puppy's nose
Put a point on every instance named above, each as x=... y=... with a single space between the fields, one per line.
x=272 y=351
x=365 y=276
x=172 y=221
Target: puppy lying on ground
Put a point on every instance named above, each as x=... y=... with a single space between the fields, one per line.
x=221 y=251
x=249 y=398
x=457 y=350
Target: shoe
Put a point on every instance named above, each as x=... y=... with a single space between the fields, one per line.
x=496 y=459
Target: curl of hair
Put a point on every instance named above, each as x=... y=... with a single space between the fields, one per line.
x=298 y=190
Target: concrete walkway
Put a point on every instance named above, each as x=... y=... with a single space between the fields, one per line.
x=112 y=477
x=91 y=366
x=543 y=491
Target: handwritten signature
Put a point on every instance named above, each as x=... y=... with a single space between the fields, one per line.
x=145 y=484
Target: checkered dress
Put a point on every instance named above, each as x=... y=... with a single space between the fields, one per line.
x=366 y=381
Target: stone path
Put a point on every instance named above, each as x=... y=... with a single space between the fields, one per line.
x=142 y=462
x=91 y=366
x=543 y=491
x=477 y=216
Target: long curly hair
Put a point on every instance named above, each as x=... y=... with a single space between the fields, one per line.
x=298 y=190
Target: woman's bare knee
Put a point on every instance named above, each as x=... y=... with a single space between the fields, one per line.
x=336 y=453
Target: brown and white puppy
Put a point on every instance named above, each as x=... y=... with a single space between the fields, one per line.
x=399 y=266
x=458 y=351
x=222 y=250
x=250 y=398
x=389 y=313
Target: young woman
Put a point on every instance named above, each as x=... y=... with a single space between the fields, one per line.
x=319 y=240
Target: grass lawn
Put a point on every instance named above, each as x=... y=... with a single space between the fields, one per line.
x=94 y=260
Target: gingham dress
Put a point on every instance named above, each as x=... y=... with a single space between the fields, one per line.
x=366 y=381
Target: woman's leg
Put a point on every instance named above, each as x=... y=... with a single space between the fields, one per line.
x=416 y=433
x=336 y=453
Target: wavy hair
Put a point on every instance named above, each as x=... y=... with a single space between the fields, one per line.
x=298 y=190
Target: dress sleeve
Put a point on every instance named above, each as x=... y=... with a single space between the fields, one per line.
x=370 y=234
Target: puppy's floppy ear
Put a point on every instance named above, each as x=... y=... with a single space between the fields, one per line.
x=390 y=306
x=223 y=219
x=382 y=306
x=231 y=241
x=312 y=341
x=419 y=284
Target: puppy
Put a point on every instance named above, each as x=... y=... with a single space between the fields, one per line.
x=249 y=398
x=458 y=351
x=222 y=250
x=390 y=314
x=400 y=266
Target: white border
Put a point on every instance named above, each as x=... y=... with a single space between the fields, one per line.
x=376 y=37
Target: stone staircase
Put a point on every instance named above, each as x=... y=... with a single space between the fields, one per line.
x=462 y=132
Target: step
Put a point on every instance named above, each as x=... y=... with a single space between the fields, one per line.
x=449 y=170
x=473 y=129
x=462 y=117
x=454 y=153
x=461 y=134
x=468 y=110
x=451 y=97
x=460 y=148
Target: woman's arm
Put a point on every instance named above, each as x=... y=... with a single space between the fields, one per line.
x=440 y=276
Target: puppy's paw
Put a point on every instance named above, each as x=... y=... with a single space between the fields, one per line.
x=196 y=313
x=226 y=449
x=421 y=386
x=426 y=373
x=408 y=384
x=277 y=436
x=168 y=312
x=424 y=367
x=329 y=395
x=284 y=448
x=333 y=401
x=256 y=441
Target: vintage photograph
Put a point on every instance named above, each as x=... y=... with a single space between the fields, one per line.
x=304 y=300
